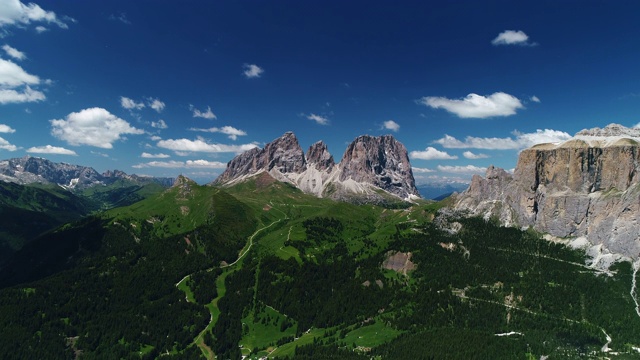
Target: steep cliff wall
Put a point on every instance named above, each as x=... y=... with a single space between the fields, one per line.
x=585 y=187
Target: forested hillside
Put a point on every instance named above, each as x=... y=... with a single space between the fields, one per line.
x=263 y=270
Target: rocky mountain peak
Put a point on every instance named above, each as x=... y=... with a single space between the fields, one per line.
x=318 y=155
x=382 y=161
x=283 y=154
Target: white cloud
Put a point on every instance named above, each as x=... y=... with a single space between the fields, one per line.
x=476 y=106
x=252 y=71
x=535 y=99
x=94 y=126
x=160 y=124
x=130 y=104
x=28 y=95
x=199 y=145
x=40 y=29
x=155 y=138
x=154 y=156
x=512 y=37
x=189 y=164
x=318 y=119
x=156 y=105
x=6 y=129
x=122 y=17
x=232 y=132
x=14 y=12
x=417 y=170
x=205 y=115
x=431 y=153
x=472 y=156
x=468 y=169
x=521 y=140
x=5 y=145
x=391 y=125
x=48 y=149
x=12 y=75
x=13 y=52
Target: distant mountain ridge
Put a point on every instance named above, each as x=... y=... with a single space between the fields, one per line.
x=30 y=170
x=369 y=164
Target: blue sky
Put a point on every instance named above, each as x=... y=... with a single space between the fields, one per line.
x=166 y=87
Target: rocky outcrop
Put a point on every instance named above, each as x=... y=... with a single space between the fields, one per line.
x=318 y=155
x=588 y=186
x=369 y=164
x=29 y=170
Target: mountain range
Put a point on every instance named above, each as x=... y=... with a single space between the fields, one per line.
x=29 y=170
x=289 y=254
x=373 y=169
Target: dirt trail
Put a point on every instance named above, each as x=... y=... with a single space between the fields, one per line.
x=633 y=293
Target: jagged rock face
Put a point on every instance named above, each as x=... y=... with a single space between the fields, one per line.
x=382 y=161
x=29 y=170
x=369 y=164
x=319 y=156
x=283 y=154
x=588 y=186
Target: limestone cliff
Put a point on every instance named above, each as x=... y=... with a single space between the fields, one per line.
x=588 y=186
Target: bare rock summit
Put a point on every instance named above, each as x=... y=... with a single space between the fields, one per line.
x=370 y=164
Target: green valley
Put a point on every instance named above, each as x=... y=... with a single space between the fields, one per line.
x=262 y=270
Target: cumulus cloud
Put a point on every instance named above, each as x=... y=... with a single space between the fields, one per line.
x=14 y=12
x=94 y=127
x=318 y=119
x=154 y=156
x=189 y=164
x=535 y=99
x=156 y=104
x=130 y=104
x=391 y=125
x=200 y=145
x=12 y=75
x=472 y=156
x=13 y=52
x=512 y=37
x=208 y=114
x=6 y=129
x=48 y=149
x=519 y=141
x=8 y=96
x=252 y=71
x=5 y=145
x=476 y=106
x=467 y=169
x=40 y=29
x=417 y=170
x=160 y=124
x=232 y=132
x=431 y=153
